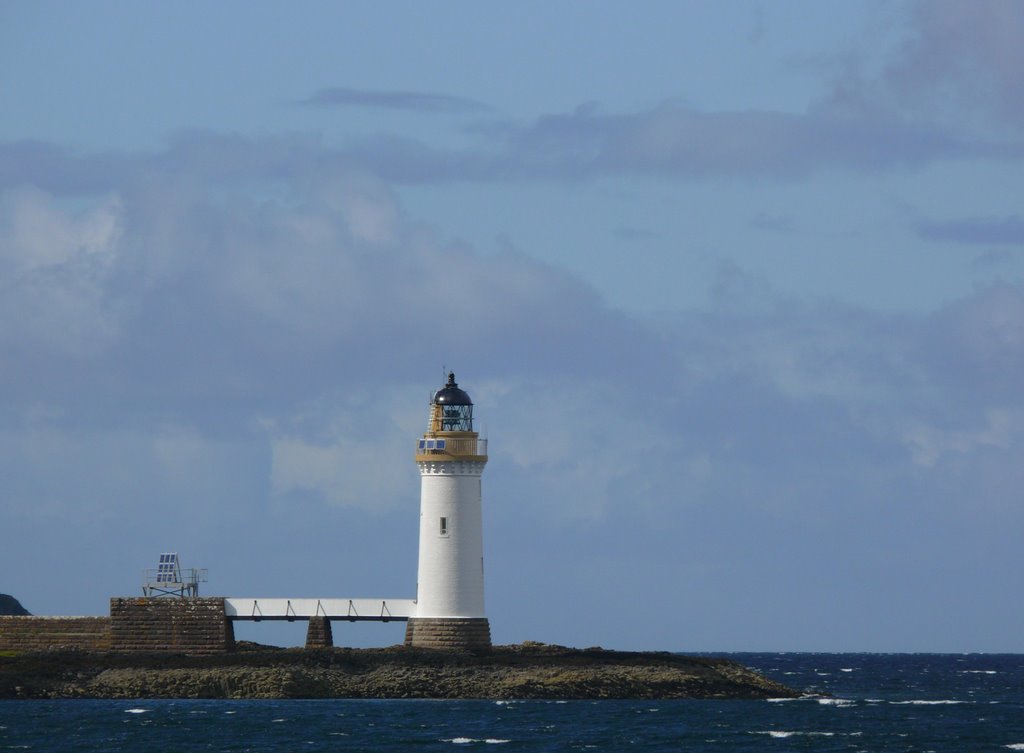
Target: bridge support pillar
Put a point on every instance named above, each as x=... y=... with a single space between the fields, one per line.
x=319 y=634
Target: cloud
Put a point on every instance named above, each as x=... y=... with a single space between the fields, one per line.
x=668 y=141
x=393 y=100
x=957 y=63
x=37 y=234
x=1000 y=429
x=240 y=312
x=676 y=141
x=1007 y=230
x=56 y=265
x=60 y=170
x=197 y=157
x=976 y=344
x=948 y=91
x=247 y=299
x=974 y=51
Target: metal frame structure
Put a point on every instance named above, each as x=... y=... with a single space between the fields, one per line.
x=168 y=578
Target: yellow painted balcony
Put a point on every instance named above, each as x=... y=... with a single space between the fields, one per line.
x=453 y=448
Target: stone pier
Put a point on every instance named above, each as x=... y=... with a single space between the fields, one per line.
x=185 y=626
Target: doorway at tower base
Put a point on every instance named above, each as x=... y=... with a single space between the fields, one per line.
x=449 y=633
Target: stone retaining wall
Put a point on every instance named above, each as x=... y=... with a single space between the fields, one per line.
x=22 y=633
x=188 y=626
x=449 y=633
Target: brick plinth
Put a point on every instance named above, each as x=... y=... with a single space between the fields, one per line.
x=32 y=633
x=319 y=633
x=449 y=633
x=187 y=626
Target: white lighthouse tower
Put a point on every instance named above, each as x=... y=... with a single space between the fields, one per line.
x=449 y=610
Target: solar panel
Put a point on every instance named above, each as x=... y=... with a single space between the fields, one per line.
x=432 y=444
x=166 y=571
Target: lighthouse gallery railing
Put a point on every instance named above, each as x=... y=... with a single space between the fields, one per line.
x=451 y=446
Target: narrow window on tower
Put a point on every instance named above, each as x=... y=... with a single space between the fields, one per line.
x=444 y=526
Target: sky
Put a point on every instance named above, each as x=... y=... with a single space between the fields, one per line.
x=737 y=289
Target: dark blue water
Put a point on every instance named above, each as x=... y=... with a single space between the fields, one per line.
x=899 y=702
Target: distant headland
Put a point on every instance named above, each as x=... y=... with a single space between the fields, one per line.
x=11 y=606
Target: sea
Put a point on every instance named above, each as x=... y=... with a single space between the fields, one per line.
x=852 y=702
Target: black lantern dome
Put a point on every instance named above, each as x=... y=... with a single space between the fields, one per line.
x=456 y=409
x=450 y=394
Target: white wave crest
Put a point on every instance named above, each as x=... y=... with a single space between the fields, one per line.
x=468 y=740
x=978 y=672
x=835 y=702
x=1015 y=746
x=925 y=703
x=136 y=711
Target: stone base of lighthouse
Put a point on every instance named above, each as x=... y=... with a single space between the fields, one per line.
x=449 y=633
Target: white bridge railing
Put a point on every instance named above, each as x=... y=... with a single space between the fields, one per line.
x=379 y=610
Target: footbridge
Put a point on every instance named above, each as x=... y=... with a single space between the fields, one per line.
x=319 y=613
x=353 y=610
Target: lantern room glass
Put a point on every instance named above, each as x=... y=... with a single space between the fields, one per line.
x=456 y=418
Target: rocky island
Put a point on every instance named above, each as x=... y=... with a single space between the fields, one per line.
x=523 y=671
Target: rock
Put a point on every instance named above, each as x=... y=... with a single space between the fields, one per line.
x=507 y=672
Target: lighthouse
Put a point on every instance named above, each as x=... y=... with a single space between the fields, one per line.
x=449 y=611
